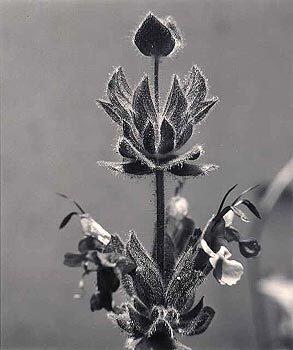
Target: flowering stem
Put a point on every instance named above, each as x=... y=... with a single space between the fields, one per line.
x=160 y=202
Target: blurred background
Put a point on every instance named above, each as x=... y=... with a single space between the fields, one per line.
x=56 y=59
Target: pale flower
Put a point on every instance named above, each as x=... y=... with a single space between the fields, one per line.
x=226 y=272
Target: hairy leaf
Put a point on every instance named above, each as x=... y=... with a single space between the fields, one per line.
x=194 y=170
x=149 y=138
x=167 y=137
x=143 y=106
x=147 y=279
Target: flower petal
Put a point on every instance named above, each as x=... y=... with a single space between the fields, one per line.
x=249 y=248
x=73 y=260
x=91 y=228
x=228 y=272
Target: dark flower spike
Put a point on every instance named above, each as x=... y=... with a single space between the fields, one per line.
x=153 y=38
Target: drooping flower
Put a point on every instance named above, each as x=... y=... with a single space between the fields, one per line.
x=151 y=140
x=156 y=37
x=226 y=271
x=219 y=229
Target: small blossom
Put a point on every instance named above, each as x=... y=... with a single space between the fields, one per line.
x=226 y=272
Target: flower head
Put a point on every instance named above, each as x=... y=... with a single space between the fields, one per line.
x=151 y=140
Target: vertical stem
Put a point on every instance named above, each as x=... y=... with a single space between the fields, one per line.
x=159 y=241
x=156 y=83
x=160 y=201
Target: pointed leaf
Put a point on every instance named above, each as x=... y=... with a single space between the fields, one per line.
x=67 y=219
x=139 y=321
x=196 y=89
x=143 y=106
x=118 y=102
x=201 y=111
x=194 y=170
x=184 y=280
x=146 y=276
x=192 y=314
x=110 y=110
x=184 y=136
x=176 y=104
x=200 y=323
x=193 y=154
x=149 y=139
x=167 y=138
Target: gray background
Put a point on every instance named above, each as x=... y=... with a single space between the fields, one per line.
x=56 y=57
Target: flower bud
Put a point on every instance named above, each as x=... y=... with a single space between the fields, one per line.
x=153 y=38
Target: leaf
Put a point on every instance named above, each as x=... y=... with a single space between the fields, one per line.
x=124 y=88
x=251 y=207
x=192 y=314
x=184 y=136
x=200 y=323
x=115 y=98
x=192 y=170
x=184 y=280
x=167 y=137
x=169 y=258
x=124 y=323
x=110 y=110
x=139 y=321
x=147 y=280
x=67 y=219
x=131 y=167
x=149 y=139
x=195 y=90
x=143 y=106
x=176 y=104
x=201 y=111
x=192 y=154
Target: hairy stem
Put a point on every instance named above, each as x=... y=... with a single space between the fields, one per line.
x=160 y=201
x=159 y=241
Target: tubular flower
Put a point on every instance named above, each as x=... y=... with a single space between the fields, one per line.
x=151 y=140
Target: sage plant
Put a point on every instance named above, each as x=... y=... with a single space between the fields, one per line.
x=162 y=286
